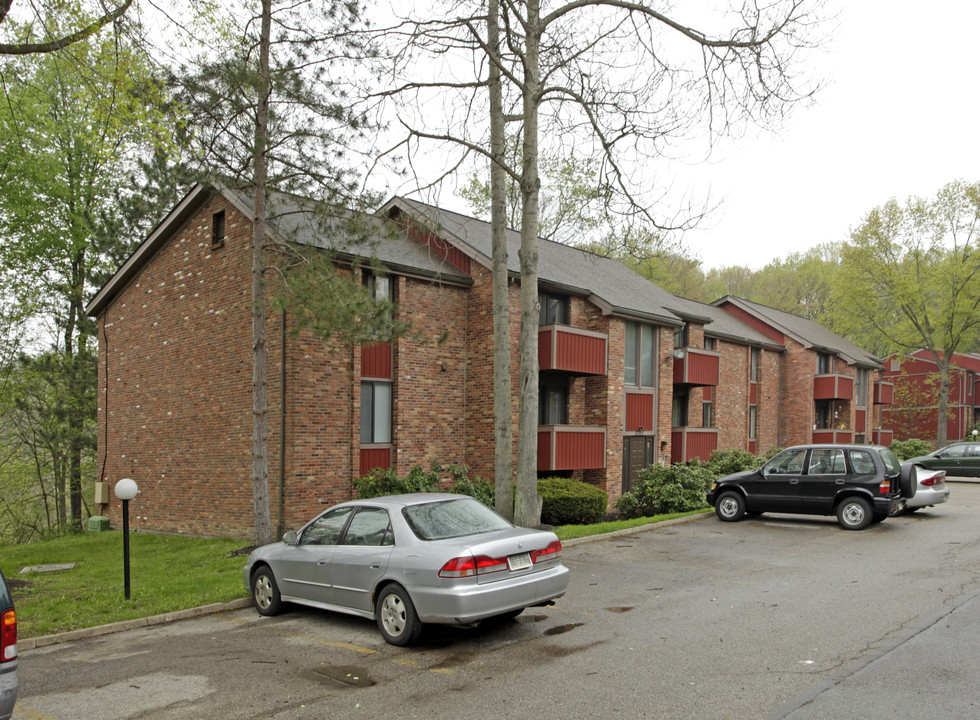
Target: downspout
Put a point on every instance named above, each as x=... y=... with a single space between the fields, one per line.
x=779 y=404
x=282 y=427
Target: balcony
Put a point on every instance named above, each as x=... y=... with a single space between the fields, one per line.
x=833 y=387
x=687 y=443
x=884 y=393
x=561 y=347
x=830 y=436
x=696 y=367
x=567 y=447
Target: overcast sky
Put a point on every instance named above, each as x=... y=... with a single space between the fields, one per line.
x=898 y=117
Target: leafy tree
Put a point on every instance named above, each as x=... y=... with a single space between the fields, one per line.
x=59 y=29
x=911 y=274
x=72 y=124
x=553 y=64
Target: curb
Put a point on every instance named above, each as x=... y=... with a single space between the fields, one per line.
x=136 y=623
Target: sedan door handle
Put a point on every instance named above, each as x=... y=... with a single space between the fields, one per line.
x=375 y=566
x=794 y=481
x=322 y=562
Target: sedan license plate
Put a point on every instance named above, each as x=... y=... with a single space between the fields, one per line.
x=519 y=562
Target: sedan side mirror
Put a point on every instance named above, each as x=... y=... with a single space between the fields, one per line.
x=291 y=538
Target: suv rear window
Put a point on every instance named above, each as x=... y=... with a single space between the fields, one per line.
x=892 y=464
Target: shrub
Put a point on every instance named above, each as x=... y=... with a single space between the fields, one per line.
x=726 y=462
x=474 y=486
x=906 y=449
x=571 y=502
x=678 y=488
x=380 y=482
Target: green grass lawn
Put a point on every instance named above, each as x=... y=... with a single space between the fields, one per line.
x=167 y=573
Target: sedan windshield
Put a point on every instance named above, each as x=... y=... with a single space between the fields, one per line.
x=452 y=518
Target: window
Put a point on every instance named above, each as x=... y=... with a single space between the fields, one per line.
x=218 y=229
x=753 y=421
x=554 y=309
x=707 y=414
x=710 y=343
x=826 y=462
x=680 y=336
x=553 y=400
x=861 y=462
x=861 y=388
x=370 y=526
x=754 y=365
x=639 y=354
x=823 y=363
x=375 y=412
x=378 y=285
x=789 y=462
x=326 y=529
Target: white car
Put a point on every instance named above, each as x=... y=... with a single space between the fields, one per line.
x=932 y=489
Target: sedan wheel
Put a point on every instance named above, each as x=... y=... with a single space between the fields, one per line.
x=854 y=513
x=265 y=592
x=397 y=620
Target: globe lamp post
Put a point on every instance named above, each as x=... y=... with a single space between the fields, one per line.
x=126 y=490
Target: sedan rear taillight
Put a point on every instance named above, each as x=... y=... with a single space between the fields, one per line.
x=549 y=553
x=8 y=636
x=938 y=479
x=470 y=565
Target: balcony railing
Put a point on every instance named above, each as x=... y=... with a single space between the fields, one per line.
x=884 y=393
x=831 y=436
x=696 y=367
x=561 y=347
x=571 y=447
x=833 y=387
x=687 y=443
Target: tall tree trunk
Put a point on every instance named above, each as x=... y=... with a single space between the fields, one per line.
x=527 y=513
x=942 y=411
x=76 y=391
x=260 y=382
x=503 y=432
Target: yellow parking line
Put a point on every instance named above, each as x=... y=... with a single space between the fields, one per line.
x=331 y=643
x=22 y=712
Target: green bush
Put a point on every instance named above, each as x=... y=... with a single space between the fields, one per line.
x=474 y=486
x=726 y=462
x=906 y=449
x=678 y=488
x=571 y=502
x=380 y=482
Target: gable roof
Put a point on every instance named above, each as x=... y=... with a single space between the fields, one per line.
x=606 y=282
x=294 y=223
x=808 y=333
x=721 y=324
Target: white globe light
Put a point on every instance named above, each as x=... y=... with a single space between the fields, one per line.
x=126 y=489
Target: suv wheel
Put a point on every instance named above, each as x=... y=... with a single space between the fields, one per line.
x=730 y=506
x=854 y=513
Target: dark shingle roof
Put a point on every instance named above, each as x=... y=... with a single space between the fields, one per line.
x=807 y=332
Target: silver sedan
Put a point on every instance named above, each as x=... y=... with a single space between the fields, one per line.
x=405 y=560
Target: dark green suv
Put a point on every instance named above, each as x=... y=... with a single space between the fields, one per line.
x=860 y=484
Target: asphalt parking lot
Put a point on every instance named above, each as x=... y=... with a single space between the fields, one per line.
x=775 y=617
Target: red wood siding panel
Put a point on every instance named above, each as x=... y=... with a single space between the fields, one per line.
x=882 y=437
x=752 y=321
x=884 y=393
x=563 y=448
x=577 y=351
x=639 y=411
x=697 y=367
x=833 y=387
x=690 y=443
x=372 y=458
x=753 y=393
x=376 y=360
x=860 y=420
x=453 y=255
x=831 y=437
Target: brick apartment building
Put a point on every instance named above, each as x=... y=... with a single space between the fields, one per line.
x=630 y=374
x=915 y=412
